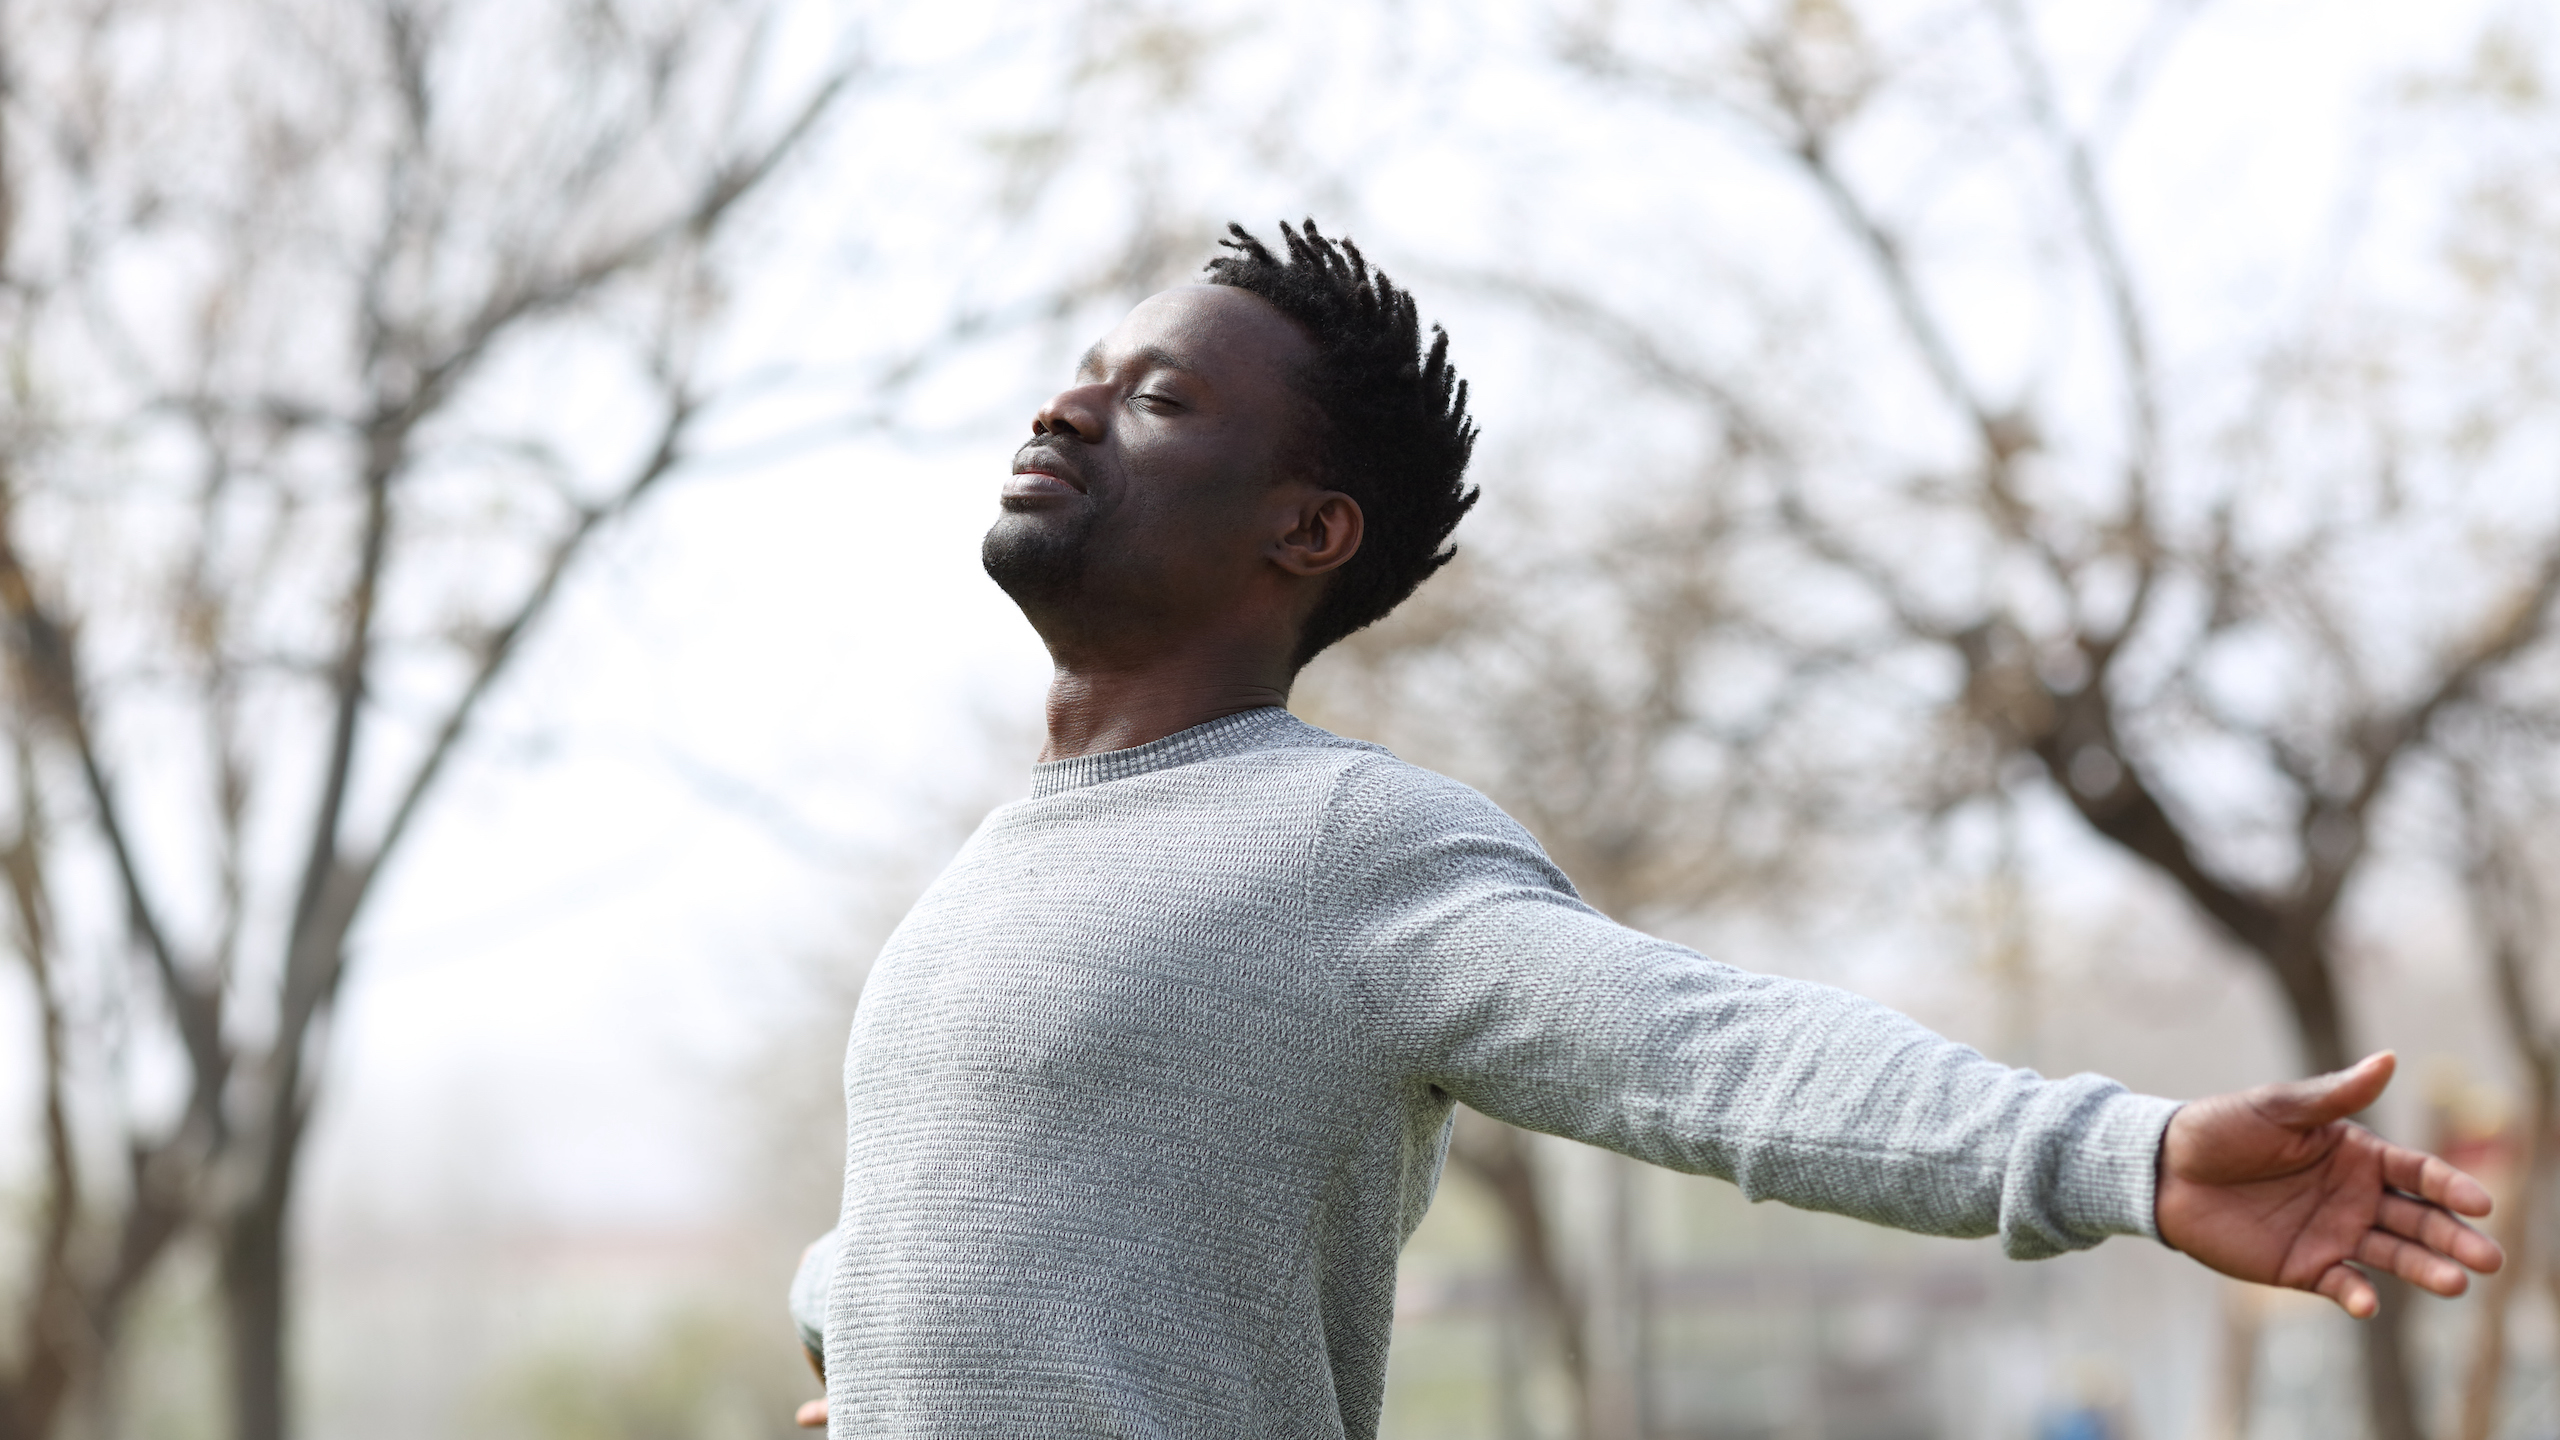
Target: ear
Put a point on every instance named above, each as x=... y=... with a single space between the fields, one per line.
x=1324 y=534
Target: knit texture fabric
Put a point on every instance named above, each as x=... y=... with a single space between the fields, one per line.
x=1146 y=1093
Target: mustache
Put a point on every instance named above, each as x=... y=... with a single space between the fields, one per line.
x=1042 y=453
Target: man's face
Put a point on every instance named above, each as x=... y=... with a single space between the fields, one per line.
x=1139 y=497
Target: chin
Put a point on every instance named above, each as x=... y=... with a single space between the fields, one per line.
x=1036 y=556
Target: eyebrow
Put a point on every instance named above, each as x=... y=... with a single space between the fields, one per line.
x=1156 y=357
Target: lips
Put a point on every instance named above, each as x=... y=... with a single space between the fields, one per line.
x=1029 y=484
x=1039 y=469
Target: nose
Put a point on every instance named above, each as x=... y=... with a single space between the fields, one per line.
x=1072 y=413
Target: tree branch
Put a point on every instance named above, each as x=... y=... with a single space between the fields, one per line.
x=48 y=657
x=2335 y=830
x=55 y=1329
x=2522 y=621
x=2129 y=812
x=2000 y=436
x=504 y=642
x=512 y=305
x=347 y=684
x=1639 y=349
x=2101 y=238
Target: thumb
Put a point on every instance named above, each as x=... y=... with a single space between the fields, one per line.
x=2310 y=1104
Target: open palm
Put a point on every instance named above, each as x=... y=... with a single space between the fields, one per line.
x=2277 y=1186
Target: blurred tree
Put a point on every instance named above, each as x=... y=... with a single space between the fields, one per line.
x=332 y=337
x=2507 y=813
x=2240 y=630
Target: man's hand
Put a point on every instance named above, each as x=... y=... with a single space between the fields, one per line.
x=2276 y=1185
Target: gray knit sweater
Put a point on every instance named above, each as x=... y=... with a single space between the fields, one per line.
x=1146 y=1093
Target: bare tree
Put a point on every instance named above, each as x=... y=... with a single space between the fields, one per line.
x=294 y=298
x=2223 y=640
x=2505 y=809
x=2234 y=629
x=2504 y=908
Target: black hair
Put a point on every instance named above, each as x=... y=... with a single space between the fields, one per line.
x=1397 y=437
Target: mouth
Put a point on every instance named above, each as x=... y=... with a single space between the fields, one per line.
x=1037 y=485
x=1042 y=471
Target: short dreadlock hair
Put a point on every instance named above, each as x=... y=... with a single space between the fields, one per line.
x=1397 y=437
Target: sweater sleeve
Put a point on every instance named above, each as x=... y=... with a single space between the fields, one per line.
x=809 y=1292
x=1479 y=971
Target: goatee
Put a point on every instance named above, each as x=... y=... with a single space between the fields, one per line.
x=1036 y=559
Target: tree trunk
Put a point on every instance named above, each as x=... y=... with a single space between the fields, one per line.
x=2287 y=932
x=254 y=1315
x=1496 y=1156
x=1615 y=1395
x=33 y=1400
x=2487 y=1373
x=2391 y=1401
x=2235 y=1400
x=2504 y=908
x=2308 y=975
x=2310 y=985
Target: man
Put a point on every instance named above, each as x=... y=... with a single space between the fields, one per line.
x=1148 y=1090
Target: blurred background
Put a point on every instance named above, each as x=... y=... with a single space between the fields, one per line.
x=2045 y=514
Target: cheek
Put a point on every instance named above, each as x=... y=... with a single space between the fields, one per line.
x=1197 y=507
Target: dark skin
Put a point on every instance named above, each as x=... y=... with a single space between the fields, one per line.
x=2276 y=1185
x=1181 y=465
x=1167 y=534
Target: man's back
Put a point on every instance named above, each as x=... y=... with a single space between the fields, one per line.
x=1149 y=1089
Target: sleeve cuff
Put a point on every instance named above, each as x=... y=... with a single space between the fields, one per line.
x=2110 y=1182
x=809 y=1291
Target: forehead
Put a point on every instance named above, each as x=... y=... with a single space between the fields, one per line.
x=1217 y=332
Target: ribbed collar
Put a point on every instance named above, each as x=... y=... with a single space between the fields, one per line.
x=1227 y=735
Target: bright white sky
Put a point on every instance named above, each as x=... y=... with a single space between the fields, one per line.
x=598 y=924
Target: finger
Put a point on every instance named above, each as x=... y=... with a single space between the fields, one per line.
x=2310 y=1104
x=812 y=1416
x=2420 y=1173
x=2439 y=1231
x=2416 y=1264
x=2352 y=1292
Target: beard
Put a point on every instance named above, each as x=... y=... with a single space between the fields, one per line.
x=1039 y=560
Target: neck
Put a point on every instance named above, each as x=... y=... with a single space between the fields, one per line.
x=1098 y=707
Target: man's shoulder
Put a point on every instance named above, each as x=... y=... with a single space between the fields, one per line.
x=1366 y=773
x=1395 y=833
x=1377 y=797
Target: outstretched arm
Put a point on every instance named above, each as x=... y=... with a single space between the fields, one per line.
x=2277 y=1186
x=1464 y=960
x=1465 y=952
